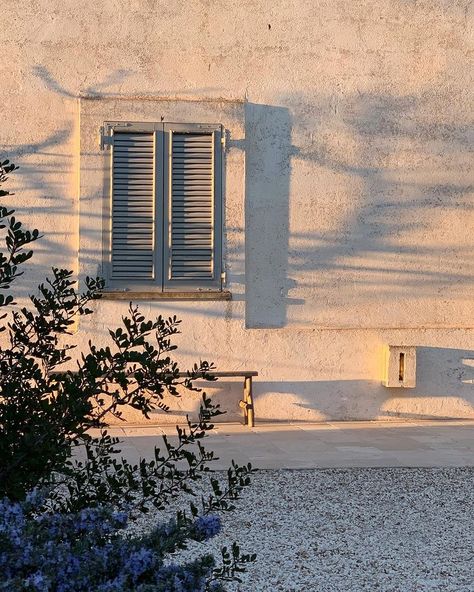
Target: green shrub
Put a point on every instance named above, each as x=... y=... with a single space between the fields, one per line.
x=47 y=413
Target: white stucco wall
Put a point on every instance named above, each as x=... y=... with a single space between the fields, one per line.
x=349 y=183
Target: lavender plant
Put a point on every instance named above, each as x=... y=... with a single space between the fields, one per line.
x=86 y=550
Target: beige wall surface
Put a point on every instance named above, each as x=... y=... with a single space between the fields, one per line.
x=348 y=181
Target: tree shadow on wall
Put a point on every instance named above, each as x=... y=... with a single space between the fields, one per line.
x=46 y=166
x=371 y=185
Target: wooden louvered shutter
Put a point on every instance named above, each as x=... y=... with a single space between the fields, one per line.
x=192 y=207
x=133 y=207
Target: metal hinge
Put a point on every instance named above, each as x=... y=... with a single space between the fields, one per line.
x=107 y=133
x=105 y=139
x=223 y=140
x=223 y=277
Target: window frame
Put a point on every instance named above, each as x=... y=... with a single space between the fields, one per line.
x=161 y=284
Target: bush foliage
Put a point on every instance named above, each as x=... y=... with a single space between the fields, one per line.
x=55 y=449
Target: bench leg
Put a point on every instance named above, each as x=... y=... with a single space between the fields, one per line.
x=249 y=414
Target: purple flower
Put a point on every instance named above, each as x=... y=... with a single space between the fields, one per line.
x=177 y=578
x=38 y=582
x=140 y=562
x=120 y=519
x=206 y=527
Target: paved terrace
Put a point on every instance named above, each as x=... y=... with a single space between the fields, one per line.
x=323 y=445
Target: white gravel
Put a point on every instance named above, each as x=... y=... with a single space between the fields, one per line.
x=355 y=529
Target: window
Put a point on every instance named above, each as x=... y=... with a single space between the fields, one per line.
x=163 y=231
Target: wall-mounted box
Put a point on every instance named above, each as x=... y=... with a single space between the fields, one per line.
x=399 y=366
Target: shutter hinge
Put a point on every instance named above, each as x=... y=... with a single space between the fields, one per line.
x=223 y=141
x=106 y=138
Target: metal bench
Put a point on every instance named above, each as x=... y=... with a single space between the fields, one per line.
x=247 y=402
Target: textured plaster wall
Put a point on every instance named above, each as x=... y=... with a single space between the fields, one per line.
x=349 y=184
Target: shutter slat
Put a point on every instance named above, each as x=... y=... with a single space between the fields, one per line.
x=188 y=161
x=122 y=163
x=196 y=164
x=191 y=193
x=124 y=200
x=133 y=206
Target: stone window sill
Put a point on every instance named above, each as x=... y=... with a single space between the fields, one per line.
x=151 y=295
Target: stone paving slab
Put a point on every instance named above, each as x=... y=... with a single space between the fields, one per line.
x=323 y=445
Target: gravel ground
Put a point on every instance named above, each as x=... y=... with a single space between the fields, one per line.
x=355 y=529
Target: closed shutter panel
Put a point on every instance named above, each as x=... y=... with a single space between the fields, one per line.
x=193 y=209
x=133 y=241
x=133 y=206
